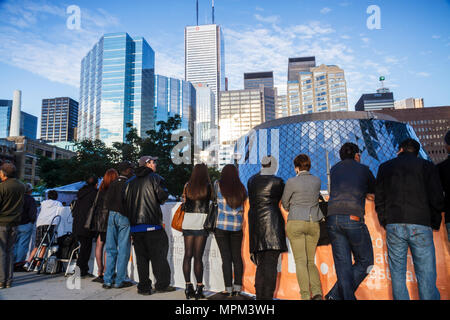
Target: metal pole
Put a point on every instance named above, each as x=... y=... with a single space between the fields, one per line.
x=328 y=172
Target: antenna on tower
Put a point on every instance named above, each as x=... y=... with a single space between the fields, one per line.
x=197 y=11
x=212 y=11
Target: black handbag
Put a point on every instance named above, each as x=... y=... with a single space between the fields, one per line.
x=211 y=218
x=324 y=240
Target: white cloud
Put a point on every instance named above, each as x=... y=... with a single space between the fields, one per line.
x=268 y=19
x=34 y=37
x=436 y=37
x=259 y=9
x=325 y=10
x=423 y=74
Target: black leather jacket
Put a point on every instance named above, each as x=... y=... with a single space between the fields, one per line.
x=198 y=206
x=144 y=193
x=266 y=224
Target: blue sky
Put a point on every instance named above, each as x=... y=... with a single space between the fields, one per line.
x=41 y=56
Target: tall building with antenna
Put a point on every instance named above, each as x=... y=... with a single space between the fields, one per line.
x=205 y=59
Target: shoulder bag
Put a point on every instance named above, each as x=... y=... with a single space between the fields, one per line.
x=211 y=218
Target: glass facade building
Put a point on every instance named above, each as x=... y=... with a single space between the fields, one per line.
x=28 y=122
x=59 y=119
x=175 y=96
x=5 y=117
x=316 y=134
x=254 y=80
x=28 y=125
x=116 y=88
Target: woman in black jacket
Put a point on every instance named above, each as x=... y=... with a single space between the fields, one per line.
x=99 y=222
x=197 y=196
x=85 y=199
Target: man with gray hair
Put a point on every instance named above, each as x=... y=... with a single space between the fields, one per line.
x=11 y=205
x=25 y=229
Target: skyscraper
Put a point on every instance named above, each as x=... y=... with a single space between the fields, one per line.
x=205 y=59
x=116 y=88
x=409 y=103
x=320 y=89
x=59 y=118
x=253 y=80
x=296 y=65
x=240 y=111
x=175 y=96
x=375 y=101
x=204 y=115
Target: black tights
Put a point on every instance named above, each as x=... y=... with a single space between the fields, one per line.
x=194 y=246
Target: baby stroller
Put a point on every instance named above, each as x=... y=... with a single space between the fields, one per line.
x=68 y=252
x=46 y=249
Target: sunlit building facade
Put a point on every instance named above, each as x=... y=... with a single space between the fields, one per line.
x=116 y=88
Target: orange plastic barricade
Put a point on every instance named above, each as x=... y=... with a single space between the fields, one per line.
x=376 y=286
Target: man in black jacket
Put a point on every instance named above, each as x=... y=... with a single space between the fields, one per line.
x=351 y=184
x=118 y=243
x=409 y=201
x=144 y=195
x=85 y=199
x=266 y=226
x=444 y=173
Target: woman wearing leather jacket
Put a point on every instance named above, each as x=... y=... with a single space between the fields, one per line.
x=197 y=196
x=266 y=226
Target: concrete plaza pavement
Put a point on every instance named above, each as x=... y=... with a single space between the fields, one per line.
x=33 y=286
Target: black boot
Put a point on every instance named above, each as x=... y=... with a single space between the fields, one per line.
x=199 y=292
x=189 y=291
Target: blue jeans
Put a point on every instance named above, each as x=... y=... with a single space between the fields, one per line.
x=420 y=240
x=118 y=246
x=24 y=232
x=349 y=237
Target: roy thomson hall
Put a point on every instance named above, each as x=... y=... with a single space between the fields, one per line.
x=24 y=153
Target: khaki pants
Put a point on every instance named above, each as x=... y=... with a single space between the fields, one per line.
x=303 y=236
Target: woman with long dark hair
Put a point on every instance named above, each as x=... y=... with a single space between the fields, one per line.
x=231 y=197
x=100 y=222
x=197 y=196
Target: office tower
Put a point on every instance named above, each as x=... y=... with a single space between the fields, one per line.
x=253 y=80
x=240 y=111
x=204 y=59
x=430 y=125
x=205 y=118
x=375 y=101
x=296 y=65
x=175 y=96
x=59 y=118
x=409 y=103
x=27 y=123
x=321 y=89
x=116 y=88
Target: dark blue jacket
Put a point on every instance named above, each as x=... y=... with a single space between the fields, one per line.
x=350 y=183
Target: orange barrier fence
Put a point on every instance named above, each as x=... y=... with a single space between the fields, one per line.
x=376 y=286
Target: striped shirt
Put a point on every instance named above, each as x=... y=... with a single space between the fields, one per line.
x=228 y=219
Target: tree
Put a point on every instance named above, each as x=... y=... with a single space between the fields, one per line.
x=159 y=143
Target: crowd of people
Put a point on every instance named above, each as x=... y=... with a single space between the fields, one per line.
x=410 y=195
